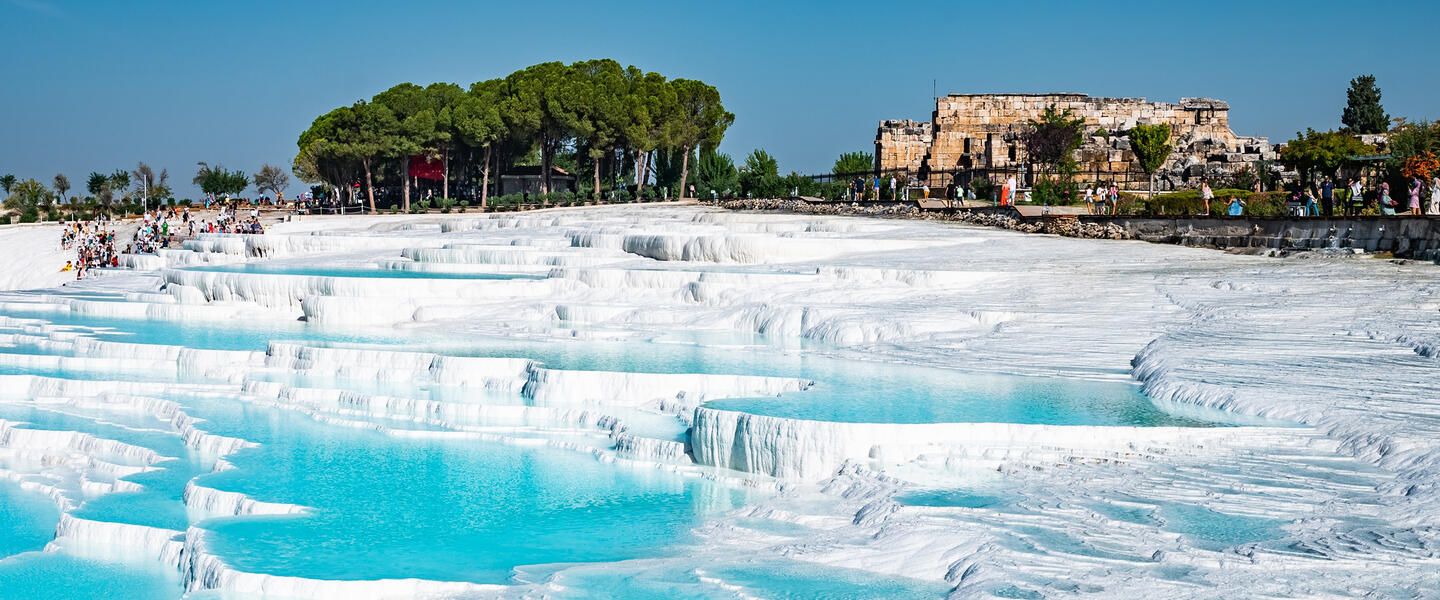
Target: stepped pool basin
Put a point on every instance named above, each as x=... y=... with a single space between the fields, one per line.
x=668 y=402
x=378 y=273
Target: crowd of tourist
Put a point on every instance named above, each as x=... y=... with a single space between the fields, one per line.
x=94 y=245
x=94 y=241
x=1323 y=198
x=1326 y=199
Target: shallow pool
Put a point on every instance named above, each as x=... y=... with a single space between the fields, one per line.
x=372 y=272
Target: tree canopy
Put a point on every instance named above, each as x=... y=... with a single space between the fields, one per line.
x=1321 y=153
x=854 y=163
x=271 y=179
x=1411 y=139
x=216 y=181
x=26 y=194
x=761 y=174
x=1052 y=139
x=715 y=172
x=62 y=185
x=1363 y=113
x=150 y=184
x=593 y=115
x=1151 y=145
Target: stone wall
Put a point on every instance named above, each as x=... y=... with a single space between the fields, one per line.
x=980 y=132
x=901 y=144
x=1405 y=236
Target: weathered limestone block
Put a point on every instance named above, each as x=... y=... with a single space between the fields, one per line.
x=991 y=122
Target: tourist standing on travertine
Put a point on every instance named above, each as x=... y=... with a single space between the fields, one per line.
x=1090 y=199
x=1435 y=196
x=1206 y=195
x=1237 y=206
x=1012 y=187
x=1387 y=204
x=1415 y=186
x=1114 y=198
x=1327 y=197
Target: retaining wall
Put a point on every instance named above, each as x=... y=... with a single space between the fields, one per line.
x=1406 y=236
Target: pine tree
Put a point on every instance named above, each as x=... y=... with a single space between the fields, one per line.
x=1363 y=113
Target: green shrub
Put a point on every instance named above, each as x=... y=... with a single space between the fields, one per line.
x=1126 y=204
x=506 y=200
x=1265 y=204
x=984 y=188
x=30 y=215
x=1188 y=202
x=4 y=219
x=1056 y=193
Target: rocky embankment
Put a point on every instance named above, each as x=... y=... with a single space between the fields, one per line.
x=902 y=210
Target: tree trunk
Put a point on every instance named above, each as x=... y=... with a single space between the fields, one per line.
x=639 y=163
x=445 y=174
x=369 y=185
x=545 y=158
x=485 y=179
x=405 y=181
x=596 y=192
x=684 y=171
x=642 y=172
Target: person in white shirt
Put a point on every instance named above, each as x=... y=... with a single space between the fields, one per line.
x=1434 y=208
x=1356 y=200
x=1090 y=199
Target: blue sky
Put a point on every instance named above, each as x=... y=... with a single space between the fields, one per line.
x=98 y=85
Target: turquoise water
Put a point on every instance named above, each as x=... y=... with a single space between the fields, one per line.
x=769 y=579
x=1214 y=530
x=949 y=498
x=845 y=390
x=25 y=516
x=487 y=507
x=60 y=576
x=468 y=509
x=238 y=335
x=378 y=273
x=864 y=393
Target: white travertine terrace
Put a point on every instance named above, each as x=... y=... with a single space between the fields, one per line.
x=1326 y=364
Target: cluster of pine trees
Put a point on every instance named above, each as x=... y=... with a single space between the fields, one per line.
x=596 y=116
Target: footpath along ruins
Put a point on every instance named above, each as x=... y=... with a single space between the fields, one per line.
x=1413 y=237
x=978 y=135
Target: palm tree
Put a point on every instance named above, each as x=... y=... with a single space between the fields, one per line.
x=7 y=181
x=99 y=186
x=62 y=185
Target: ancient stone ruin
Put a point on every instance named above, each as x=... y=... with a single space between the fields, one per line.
x=979 y=135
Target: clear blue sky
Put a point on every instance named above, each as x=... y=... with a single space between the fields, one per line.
x=98 y=85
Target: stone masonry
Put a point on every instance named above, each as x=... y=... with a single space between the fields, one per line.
x=979 y=133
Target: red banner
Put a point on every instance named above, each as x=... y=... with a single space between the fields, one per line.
x=425 y=168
